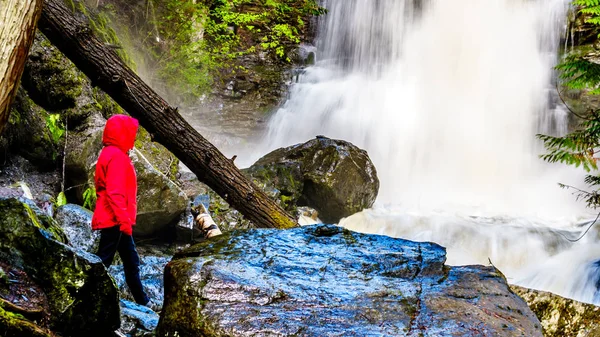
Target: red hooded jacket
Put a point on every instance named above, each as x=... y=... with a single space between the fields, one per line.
x=115 y=179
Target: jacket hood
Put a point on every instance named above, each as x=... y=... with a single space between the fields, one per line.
x=120 y=131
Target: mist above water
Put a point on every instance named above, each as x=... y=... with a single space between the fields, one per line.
x=447 y=97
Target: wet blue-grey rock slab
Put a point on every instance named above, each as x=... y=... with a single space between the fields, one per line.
x=327 y=281
x=76 y=222
x=137 y=320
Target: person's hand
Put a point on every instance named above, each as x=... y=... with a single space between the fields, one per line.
x=126 y=229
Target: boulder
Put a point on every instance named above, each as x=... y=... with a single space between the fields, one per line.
x=160 y=201
x=53 y=82
x=76 y=223
x=332 y=176
x=82 y=298
x=324 y=280
x=50 y=78
x=81 y=156
x=28 y=133
x=561 y=317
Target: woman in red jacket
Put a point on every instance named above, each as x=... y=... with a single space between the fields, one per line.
x=116 y=207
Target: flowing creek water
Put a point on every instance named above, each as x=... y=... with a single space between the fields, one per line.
x=447 y=97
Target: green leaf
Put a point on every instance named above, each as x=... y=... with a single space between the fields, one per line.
x=89 y=198
x=61 y=199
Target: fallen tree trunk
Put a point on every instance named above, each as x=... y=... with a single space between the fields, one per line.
x=17 y=28
x=106 y=70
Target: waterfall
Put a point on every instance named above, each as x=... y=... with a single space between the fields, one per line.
x=447 y=97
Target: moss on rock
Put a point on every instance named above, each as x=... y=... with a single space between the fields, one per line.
x=81 y=295
x=50 y=78
x=561 y=317
x=29 y=134
x=15 y=325
x=333 y=176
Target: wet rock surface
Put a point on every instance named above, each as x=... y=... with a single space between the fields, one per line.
x=137 y=320
x=327 y=281
x=559 y=316
x=76 y=223
x=81 y=296
x=151 y=274
x=333 y=176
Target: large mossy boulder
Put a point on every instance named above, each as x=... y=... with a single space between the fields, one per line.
x=333 y=176
x=324 y=280
x=82 y=298
x=63 y=81
x=53 y=82
x=561 y=317
x=28 y=133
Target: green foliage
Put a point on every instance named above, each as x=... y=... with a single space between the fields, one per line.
x=591 y=7
x=61 y=199
x=55 y=127
x=579 y=148
x=3 y=277
x=276 y=24
x=200 y=39
x=89 y=198
x=580 y=73
x=101 y=24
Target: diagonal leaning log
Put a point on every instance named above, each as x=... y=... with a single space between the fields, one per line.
x=105 y=69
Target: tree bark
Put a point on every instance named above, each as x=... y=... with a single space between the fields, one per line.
x=17 y=29
x=106 y=70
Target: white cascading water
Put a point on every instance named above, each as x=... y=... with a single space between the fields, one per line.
x=446 y=97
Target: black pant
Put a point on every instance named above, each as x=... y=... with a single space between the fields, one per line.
x=111 y=241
